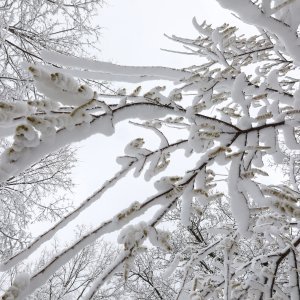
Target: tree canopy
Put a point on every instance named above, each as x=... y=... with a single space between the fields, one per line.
x=227 y=227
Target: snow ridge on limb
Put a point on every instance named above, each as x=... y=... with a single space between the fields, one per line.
x=102 y=68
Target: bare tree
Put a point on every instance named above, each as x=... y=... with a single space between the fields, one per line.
x=30 y=197
x=234 y=110
x=26 y=28
x=74 y=278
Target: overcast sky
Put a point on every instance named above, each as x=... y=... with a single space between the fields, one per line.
x=133 y=30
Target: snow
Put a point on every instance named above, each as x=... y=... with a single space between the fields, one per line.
x=272 y=80
x=239 y=86
x=173 y=265
x=68 y=218
x=134 y=148
x=289 y=137
x=293 y=278
x=12 y=113
x=18 y=286
x=113 y=72
x=131 y=235
x=151 y=171
x=202 y=28
x=60 y=87
x=251 y=14
x=288 y=13
x=166 y=182
x=238 y=201
x=186 y=206
x=119 y=221
x=297 y=99
x=159 y=238
x=236 y=141
x=268 y=138
x=29 y=152
x=253 y=190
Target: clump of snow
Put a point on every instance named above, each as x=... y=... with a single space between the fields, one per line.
x=297 y=99
x=159 y=162
x=173 y=265
x=13 y=110
x=134 y=148
x=60 y=87
x=19 y=285
x=132 y=235
x=135 y=206
x=186 y=206
x=238 y=201
x=166 y=183
x=159 y=238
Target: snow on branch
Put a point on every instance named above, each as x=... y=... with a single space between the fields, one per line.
x=226 y=227
x=262 y=18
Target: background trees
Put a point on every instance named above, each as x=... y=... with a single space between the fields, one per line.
x=73 y=279
x=26 y=28
x=233 y=228
x=28 y=197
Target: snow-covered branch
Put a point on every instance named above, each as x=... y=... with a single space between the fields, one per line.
x=233 y=227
